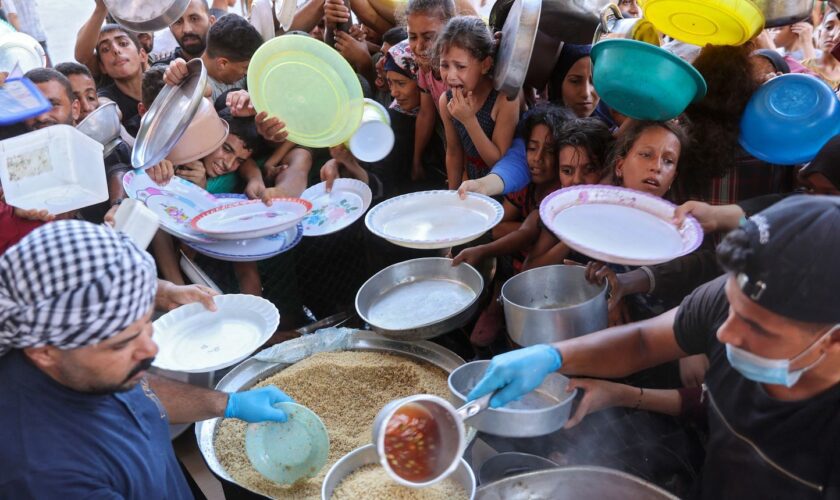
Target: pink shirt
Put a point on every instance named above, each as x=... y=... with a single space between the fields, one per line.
x=427 y=82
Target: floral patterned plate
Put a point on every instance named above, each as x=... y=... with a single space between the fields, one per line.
x=251 y=219
x=175 y=204
x=619 y=225
x=347 y=202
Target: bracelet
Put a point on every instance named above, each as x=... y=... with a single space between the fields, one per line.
x=639 y=401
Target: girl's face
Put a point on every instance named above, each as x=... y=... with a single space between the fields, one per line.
x=423 y=30
x=576 y=167
x=629 y=8
x=541 y=156
x=404 y=90
x=651 y=164
x=578 y=92
x=830 y=32
x=460 y=70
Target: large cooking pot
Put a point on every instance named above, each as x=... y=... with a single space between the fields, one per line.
x=146 y=15
x=580 y=483
x=553 y=303
x=784 y=12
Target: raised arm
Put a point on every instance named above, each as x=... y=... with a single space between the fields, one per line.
x=87 y=37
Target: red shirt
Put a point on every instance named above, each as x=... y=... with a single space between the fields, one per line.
x=14 y=228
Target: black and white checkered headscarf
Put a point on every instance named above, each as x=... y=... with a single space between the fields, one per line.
x=71 y=284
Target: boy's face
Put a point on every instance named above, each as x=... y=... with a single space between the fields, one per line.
x=228 y=158
x=576 y=168
x=119 y=58
x=230 y=72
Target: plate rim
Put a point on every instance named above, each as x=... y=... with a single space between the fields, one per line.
x=267 y=309
x=306 y=204
x=288 y=245
x=690 y=224
x=496 y=206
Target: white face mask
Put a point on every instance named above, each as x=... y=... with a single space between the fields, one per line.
x=772 y=371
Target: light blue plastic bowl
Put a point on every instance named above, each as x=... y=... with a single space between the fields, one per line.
x=287 y=451
x=643 y=81
x=789 y=119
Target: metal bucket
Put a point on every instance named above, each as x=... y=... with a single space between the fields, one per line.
x=553 y=303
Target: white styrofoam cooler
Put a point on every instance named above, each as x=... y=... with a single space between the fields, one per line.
x=57 y=169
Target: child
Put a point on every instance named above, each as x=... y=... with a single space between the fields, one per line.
x=424 y=19
x=479 y=127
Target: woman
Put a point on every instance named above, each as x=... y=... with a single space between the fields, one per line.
x=826 y=65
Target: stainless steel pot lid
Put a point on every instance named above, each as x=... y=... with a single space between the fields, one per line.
x=146 y=15
x=22 y=49
x=167 y=118
x=516 y=46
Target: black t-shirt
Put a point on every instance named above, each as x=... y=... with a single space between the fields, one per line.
x=759 y=447
x=127 y=105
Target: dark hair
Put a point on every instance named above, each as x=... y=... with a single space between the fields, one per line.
x=624 y=142
x=468 y=33
x=443 y=9
x=234 y=38
x=395 y=35
x=44 y=75
x=244 y=128
x=590 y=134
x=110 y=28
x=73 y=68
x=543 y=114
x=151 y=86
x=735 y=251
x=715 y=122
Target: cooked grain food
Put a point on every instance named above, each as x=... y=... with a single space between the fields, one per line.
x=346 y=389
x=371 y=482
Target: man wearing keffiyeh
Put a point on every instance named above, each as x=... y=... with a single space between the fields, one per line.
x=79 y=416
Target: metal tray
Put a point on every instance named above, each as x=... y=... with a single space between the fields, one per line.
x=366 y=455
x=420 y=299
x=251 y=371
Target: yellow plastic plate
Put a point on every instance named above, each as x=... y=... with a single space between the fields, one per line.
x=701 y=22
x=310 y=87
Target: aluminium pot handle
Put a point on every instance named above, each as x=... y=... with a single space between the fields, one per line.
x=472 y=408
x=609 y=16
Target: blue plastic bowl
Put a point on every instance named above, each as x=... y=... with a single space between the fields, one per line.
x=643 y=81
x=789 y=119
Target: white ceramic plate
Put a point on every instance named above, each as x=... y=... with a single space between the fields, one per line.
x=251 y=219
x=333 y=211
x=619 y=225
x=433 y=219
x=175 y=204
x=192 y=339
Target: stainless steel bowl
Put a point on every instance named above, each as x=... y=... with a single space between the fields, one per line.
x=580 y=483
x=250 y=372
x=540 y=412
x=784 y=12
x=553 y=303
x=103 y=126
x=145 y=16
x=385 y=300
x=366 y=455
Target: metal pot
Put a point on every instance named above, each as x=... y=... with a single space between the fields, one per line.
x=553 y=303
x=542 y=411
x=366 y=455
x=784 y=12
x=514 y=56
x=145 y=16
x=250 y=372
x=614 y=25
x=580 y=483
x=386 y=293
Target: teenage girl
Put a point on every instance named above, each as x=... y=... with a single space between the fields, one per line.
x=479 y=125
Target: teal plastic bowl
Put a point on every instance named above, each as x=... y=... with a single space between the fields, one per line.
x=789 y=119
x=643 y=81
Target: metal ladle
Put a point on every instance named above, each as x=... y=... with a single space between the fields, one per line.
x=450 y=424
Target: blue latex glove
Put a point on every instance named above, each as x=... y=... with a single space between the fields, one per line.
x=257 y=405
x=516 y=373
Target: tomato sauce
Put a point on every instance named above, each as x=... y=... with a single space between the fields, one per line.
x=412 y=439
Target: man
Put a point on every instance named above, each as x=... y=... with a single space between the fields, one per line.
x=121 y=57
x=190 y=31
x=79 y=416
x=230 y=45
x=84 y=88
x=771 y=331
x=57 y=89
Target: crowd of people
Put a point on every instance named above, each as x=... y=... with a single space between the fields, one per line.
x=745 y=330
